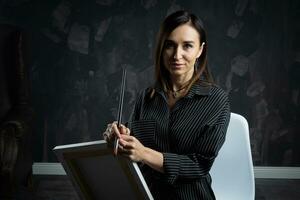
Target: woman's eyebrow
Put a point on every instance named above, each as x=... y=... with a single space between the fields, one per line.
x=170 y=41
x=188 y=41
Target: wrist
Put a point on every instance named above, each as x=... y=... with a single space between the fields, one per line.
x=145 y=156
x=153 y=159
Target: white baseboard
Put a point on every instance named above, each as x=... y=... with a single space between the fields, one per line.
x=277 y=172
x=43 y=168
x=259 y=172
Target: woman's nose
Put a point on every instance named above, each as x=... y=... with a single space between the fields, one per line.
x=177 y=53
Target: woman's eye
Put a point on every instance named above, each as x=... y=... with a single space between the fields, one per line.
x=188 y=46
x=168 y=45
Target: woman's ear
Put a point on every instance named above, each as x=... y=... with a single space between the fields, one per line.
x=201 y=49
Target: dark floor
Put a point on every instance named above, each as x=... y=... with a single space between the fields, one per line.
x=277 y=189
x=60 y=188
x=54 y=188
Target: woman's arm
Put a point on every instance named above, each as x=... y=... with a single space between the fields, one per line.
x=135 y=151
x=198 y=164
x=174 y=166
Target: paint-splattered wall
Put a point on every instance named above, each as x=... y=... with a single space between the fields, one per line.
x=78 y=48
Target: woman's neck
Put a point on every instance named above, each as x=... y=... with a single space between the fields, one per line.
x=178 y=83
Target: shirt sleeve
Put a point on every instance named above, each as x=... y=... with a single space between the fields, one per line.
x=198 y=164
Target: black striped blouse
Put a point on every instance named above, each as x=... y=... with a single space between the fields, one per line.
x=189 y=136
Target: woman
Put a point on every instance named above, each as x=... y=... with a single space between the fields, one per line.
x=179 y=124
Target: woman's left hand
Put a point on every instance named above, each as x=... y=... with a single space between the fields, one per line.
x=132 y=148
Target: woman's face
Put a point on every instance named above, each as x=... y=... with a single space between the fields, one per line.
x=181 y=50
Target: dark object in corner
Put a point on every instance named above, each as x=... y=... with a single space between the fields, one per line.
x=16 y=114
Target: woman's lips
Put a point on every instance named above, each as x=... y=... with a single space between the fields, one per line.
x=177 y=65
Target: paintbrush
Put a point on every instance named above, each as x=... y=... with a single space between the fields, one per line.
x=120 y=109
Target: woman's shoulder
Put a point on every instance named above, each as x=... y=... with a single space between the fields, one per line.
x=218 y=90
x=144 y=93
x=148 y=92
x=218 y=94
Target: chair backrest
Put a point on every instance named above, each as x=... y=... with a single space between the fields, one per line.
x=232 y=172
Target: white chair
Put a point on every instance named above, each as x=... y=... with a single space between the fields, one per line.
x=232 y=172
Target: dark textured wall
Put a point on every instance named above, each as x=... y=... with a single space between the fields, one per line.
x=78 y=48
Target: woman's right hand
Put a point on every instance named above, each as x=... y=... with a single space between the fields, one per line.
x=112 y=131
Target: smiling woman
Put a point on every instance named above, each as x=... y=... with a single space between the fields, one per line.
x=179 y=124
x=182 y=49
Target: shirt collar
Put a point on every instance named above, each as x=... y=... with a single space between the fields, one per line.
x=199 y=88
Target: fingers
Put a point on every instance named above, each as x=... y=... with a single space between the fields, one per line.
x=128 y=131
x=131 y=148
x=128 y=138
x=124 y=144
x=127 y=142
x=113 y=131
x=124 y=130
x=129 y=153
x=107 y=135
x=123 y=150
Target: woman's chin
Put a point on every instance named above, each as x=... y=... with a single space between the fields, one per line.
x=176 y=73
x=177 y=69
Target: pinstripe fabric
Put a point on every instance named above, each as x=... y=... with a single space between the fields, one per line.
x=189 y=136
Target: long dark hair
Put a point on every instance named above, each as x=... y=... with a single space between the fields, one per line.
x=169 y=24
